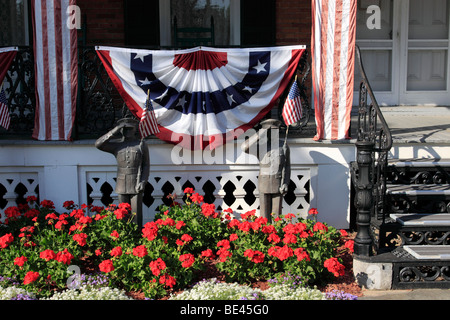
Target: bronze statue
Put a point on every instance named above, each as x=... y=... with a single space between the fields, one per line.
x=275 y=167
x=133 y=163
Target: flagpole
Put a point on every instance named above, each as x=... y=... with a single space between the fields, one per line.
x=285 y=138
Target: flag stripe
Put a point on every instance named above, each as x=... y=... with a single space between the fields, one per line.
x=55 y=48
x=332 y=48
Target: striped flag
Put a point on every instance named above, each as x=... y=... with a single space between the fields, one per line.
x=7 y=56
x=5 y=119
x=332 y=51
x=148 y=124
x=55 y=51
x=292 y=109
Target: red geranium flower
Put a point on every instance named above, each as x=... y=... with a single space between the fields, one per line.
x=80 y=238
x=12 y=212
x=179 y=225
x=64 y=256
x=47 y=255
x=186 y=238
x=289 y=238
x=208 y=253
x=320 y=226
x=30 y=277
x=20 y=261
x=150 y=230
x=313 y=211
x=115 y=235
x=349 y=244
x=196 y=198
x=68 y=204
x=273 y=237
x=334 y=266
x=116 y=252
x=187 y=260
x=47 y=204
x=189 y=190
x=106 y=266
x=31 y=199
x=157 y=266
x=6 y=240
x=140 y=251
x=224 y=243
x=167 y=280
x=301 y=254
x=208 y=209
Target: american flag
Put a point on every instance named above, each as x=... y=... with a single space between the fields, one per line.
x=56 y=64
x=292 y=109
x=332 y=67
x=4 y=110
x=148 y=124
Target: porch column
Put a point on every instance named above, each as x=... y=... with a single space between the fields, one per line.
x=363 y=198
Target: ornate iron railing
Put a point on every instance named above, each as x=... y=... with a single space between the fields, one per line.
x=19 y=89
x=99 y=103
x=373 y=143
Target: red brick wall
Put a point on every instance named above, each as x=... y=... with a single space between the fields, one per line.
x=293 y=22
x=105 y=23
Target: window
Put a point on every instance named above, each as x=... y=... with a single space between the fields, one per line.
x=141 y=23
x=14 y=15
x=236 y=22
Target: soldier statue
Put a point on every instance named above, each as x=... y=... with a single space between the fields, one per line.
x=275 y=169
x=133 y=163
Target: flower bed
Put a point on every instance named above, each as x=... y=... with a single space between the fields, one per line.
x=45 y=253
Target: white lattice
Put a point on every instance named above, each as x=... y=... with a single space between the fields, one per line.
x=10 y=181
x=164 y=180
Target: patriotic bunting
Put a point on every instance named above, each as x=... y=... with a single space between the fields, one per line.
x=202 y=96
x=332 y=52
x=56 y=64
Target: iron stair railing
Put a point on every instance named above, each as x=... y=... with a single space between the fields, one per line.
x=373 y=143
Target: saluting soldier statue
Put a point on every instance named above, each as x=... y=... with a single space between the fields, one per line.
x=274 y=166
x=133 y=163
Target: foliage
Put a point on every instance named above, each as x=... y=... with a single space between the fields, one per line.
x=38 y=246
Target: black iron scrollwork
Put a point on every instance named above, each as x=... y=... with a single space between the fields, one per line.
x=20 y=94
x=373 y=143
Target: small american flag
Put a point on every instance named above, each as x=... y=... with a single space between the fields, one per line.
x=148 y=124
x=4 y=110
x=292 y=109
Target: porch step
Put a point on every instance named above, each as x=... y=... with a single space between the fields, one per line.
x=418 y=189
x=430 y=252
x=422 y=219
x=419 y=162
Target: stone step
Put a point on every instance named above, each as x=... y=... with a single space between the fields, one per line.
x=418 y=189
x=422 y=219
x=419 y=162
x=430 y=252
